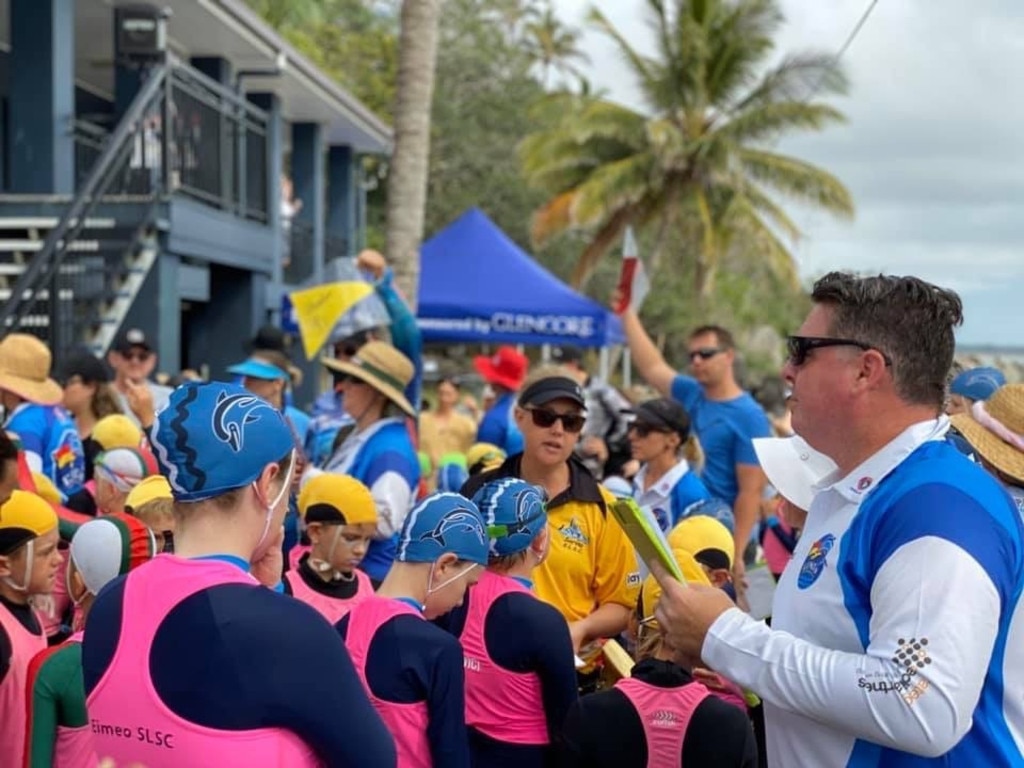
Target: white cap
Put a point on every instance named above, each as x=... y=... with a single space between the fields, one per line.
x=793 y=467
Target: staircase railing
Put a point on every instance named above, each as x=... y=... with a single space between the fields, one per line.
x=132 y=162
x=183 y=133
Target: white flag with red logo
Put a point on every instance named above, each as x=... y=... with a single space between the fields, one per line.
x=633 y=283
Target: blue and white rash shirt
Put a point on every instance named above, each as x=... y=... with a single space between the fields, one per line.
x=897 y=632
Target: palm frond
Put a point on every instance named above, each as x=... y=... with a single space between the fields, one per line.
x=798 y=179
x=552 y=219
x=766 y=121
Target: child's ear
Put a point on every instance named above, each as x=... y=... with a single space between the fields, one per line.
x=314 y=531
x=5 y=566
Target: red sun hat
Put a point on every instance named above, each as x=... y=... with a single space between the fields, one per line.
x=506 y=367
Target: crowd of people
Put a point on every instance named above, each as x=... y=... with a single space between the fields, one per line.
x=207 y=575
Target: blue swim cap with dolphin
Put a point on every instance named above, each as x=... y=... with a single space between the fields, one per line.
x=442 y=523
x=214 y=437
x=514 y=512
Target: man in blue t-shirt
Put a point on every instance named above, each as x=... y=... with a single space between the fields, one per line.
x=725 y=418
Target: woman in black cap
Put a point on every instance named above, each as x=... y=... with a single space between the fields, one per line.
x=667 y=483
x=590 y=573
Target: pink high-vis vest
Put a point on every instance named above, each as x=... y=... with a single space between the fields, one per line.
x=406 y=722
x=506 y=706
x=13 y=700
x=665 y=714
x=129 y=721
x=74 y=747
x=331 y=608
x=295 y=554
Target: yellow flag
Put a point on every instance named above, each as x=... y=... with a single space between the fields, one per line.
x=318 y=309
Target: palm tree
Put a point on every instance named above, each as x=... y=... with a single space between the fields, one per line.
x=407 y=180
x=553 y=45
x=700 y=158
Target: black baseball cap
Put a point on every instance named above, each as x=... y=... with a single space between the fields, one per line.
x=664 y=415
x=87 y=367
x=269 y=338
x=567 y=354
x=550 y=389
x=133 y=337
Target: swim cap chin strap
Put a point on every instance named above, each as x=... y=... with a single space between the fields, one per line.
x=29 y=555
x=285 y=488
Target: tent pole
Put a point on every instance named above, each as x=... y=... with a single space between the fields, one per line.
x=627 y=368
x=545 y=354
x=604 y=370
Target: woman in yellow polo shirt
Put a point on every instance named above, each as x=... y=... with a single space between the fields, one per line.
x=590 y=573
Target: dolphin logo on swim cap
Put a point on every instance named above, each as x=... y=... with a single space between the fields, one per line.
x=232 y=413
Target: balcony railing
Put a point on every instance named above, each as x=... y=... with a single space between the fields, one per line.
x=215 y=151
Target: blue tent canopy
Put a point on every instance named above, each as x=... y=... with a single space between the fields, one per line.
x=477 y=285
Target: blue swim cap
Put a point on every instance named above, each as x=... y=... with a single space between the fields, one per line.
x=451 y=477
x=977 y=383
x=441 y=523
x=514 y=512
x=214 y=437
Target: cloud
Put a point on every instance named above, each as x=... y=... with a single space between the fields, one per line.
x=932 y=150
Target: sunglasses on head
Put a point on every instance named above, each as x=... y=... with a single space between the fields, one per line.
x=799 y=347
x=545 y=417
x=704 y=353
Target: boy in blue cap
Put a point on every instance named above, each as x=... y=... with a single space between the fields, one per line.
x=520 y=671
x=411 y=669
x=971 y=386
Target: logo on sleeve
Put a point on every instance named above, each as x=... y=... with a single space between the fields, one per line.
x=814 y=563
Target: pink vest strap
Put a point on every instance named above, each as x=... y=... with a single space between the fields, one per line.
x=665 y=714
x=295 y=554
x=407 y=722
x=13 y=708
x=13 y=702
x=330 y=608
x=506 y=706
x=129 y=721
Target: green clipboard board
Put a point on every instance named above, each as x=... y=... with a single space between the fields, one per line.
x=645 y=533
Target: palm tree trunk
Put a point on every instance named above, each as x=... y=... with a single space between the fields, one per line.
x=407 y=180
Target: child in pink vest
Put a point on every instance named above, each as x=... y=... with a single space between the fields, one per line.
x=412 y=670
x=340 y=517
x=58 y=728
x=659 y=716
x=28 y=566
x=195 y=659
x=520 y=674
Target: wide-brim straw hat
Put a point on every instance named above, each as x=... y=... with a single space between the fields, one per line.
x=995 y=429
x=382 y=367
x=25 y=369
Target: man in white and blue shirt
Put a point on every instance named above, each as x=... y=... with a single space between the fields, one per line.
x=897 y=634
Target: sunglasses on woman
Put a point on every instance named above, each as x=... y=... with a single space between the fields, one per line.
x=643 y=430
x=545 y=417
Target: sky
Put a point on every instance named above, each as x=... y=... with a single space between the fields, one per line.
x=932 y=150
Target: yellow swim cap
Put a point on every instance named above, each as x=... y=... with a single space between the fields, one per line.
x=651 y=590
x=483 y=457
x=331 y=498
x=25 y=516
x=148 y=489
x=701 y=533
x=116 y=431
x=46 y=488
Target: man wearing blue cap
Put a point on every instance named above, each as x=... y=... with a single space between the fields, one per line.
x=412 y=670
x=192 y=660
x=972 y=386
x=520 y=673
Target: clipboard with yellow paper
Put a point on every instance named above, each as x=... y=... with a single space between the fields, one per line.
x=646 y=535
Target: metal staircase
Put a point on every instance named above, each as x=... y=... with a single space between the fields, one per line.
x=70 y=278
